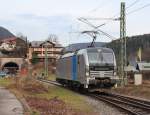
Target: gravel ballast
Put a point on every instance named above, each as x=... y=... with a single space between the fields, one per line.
x=103 y=108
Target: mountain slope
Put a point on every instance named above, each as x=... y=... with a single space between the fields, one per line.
x=4 y=34
x=77 y=46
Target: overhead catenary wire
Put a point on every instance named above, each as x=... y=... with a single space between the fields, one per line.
x=133 y=11
x=132 y=4
x=129 y=6
x=116 y=16
x=95 y=27
x=85 y=20
x=100 y=6
x=138 y=9
x=89 y=18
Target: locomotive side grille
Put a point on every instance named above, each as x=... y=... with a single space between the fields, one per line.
x=101 y=74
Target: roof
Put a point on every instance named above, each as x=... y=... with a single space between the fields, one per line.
x=58 y=45
x=130 y=68
x=68 y=54
x=45 y=42
x=100 y=49
x=78 y=46
x=143 y=66
x=39 y=43
x=36 y=43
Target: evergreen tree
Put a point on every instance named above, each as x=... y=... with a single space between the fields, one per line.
x=35 y=58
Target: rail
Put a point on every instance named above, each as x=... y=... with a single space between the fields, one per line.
x=129 y=105
x=50 y=82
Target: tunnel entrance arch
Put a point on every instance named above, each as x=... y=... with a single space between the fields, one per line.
x=10 y=67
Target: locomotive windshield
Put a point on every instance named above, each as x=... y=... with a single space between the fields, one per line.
x=101 y=57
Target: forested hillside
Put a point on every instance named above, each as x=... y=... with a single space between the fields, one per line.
x=133 y=45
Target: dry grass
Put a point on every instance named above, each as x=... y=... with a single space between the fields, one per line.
x=141 y=91
x=52 y=77
x=52 y=106
x=5 y=82
x=45 y=100
x=71 y=98
x=32 y=86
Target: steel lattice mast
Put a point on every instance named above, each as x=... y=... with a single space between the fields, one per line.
x=123 y=55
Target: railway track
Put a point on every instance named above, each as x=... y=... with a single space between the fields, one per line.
x=50 y=82
x=127 y=104
x=128 y=98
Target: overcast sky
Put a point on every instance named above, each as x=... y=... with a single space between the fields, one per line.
x=36 y=19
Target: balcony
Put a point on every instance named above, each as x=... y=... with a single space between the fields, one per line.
x=48 y=49
x=48 y=55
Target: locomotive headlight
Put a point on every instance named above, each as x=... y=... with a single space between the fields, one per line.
x=115 y=73
x=87 y=71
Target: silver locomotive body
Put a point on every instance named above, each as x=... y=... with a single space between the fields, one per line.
x=88 y=68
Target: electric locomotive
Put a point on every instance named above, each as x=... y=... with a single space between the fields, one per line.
x=87 y=68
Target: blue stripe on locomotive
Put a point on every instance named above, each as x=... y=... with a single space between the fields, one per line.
x=74 y=67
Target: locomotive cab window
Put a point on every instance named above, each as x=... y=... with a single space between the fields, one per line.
x=93 y=57
x=101 y=57
x=108 y=57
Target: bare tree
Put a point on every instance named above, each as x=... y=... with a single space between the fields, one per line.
x=20 y=35
x=53 y=38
